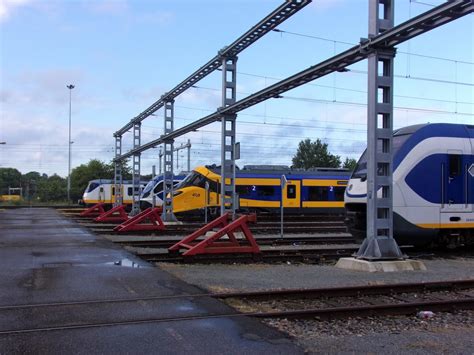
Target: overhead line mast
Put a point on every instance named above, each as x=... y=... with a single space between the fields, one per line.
x=275 y=18
x=270 y=22
x=425 y=22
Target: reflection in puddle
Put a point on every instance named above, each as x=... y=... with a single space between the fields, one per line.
x=185 y=308
x=125 y=263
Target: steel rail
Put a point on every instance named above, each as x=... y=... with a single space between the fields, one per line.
x=320 y=255
x=165 y=243
x=271 y=21
x=425 y=22
x=428 y=286
x=388 y=308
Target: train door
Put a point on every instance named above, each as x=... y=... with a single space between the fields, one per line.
x=213 y=193
x=112 y=193
x=454 y=186
x=292 y=194
x=101 y=193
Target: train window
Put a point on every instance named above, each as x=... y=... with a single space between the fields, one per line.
x=454 y=165
x=265 y=190
x=198 y=181
x=130 y=191
x=339 y=193
x=291 y=191
x=92 y=186
x=113 y=190
x=158 y=188
x=214 y=186
x=243 y=190
x=318 y=193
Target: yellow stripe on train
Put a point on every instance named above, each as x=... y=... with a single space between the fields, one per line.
x=445 y=225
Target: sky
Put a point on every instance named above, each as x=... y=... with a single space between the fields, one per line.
x=122 y=55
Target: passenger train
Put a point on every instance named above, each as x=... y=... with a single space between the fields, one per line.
x=155 y=187
x=103 y=190
x=259 y=189
x=433 y=186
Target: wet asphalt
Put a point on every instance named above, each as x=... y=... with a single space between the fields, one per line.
x=46 y=258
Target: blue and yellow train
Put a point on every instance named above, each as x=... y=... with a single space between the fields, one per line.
x=320 y=190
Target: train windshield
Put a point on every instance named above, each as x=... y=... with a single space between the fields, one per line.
x=151 y=184
x=360 y=171
x=92 y=186
x=193 y=179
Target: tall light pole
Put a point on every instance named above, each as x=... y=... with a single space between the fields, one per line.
x=70 y=87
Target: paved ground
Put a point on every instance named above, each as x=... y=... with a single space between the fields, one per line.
x=45 y=258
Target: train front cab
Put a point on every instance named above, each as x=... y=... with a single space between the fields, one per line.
x=433 y=188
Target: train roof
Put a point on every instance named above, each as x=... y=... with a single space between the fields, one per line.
x=278 y=170
x=409 y=129
x=181 y=176
x=438 y=129
x=111 y=181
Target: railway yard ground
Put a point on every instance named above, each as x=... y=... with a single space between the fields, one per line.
x=70 y=286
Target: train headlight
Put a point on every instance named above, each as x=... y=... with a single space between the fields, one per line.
x=349 y=188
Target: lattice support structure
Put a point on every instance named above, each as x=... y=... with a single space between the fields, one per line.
x=168 y=215
x=229 y=85
x=379 y=243
x=136 y=170
x=118 y=180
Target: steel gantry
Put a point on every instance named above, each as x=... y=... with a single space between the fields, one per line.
x=118 y=180
x=270 y=22
x=380 y=47
x=136 y=179
x=379 y=243
x=168 y=215
x=425 y=22
x=229 y=96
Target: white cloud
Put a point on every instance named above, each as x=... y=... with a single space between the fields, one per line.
x=116 y=7
x=8 y=6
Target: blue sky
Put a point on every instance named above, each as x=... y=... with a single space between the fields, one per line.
x=122 y=55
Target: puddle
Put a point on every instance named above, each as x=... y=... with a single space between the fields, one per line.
x=185 y=308
x=125 y=263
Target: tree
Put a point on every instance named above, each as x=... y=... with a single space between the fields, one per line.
x=9 y=177
x=30 y=183
x=52 y=189
x=350 y=164
x=314 y=154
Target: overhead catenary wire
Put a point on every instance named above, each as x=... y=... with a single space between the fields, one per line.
x=353 y=44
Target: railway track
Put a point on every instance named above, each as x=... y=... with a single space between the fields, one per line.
x=160 y=242
x=261 y=217
x=309 y=255
x=256 y=229
x=360 y=301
